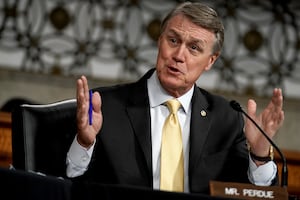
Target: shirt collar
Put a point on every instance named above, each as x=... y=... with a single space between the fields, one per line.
x=157 y=95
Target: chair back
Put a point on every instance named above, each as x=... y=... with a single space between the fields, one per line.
x=42 y=135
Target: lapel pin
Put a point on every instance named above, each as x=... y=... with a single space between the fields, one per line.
x=203 y=113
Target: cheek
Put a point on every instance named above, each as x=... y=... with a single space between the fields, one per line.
x=162 y=57
x=200 y=65
x=194 y=71
x=194 y=75
x=163 y=52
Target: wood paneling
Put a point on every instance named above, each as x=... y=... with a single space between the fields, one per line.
x=293 y=165
x=5 y=139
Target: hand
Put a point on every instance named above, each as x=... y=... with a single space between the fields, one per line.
x=270 y=120
x=87 y=133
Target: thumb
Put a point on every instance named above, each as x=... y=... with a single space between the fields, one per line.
x=96 y=102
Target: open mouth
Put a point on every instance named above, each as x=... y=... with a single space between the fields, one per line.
x=173 y=69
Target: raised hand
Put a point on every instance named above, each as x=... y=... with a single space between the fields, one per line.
x=270 y=120
x=86 y=133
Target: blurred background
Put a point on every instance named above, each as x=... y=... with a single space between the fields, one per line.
x=46 y=45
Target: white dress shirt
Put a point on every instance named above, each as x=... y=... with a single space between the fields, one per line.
x=79 y=157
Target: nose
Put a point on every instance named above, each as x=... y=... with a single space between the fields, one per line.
x=178 y=54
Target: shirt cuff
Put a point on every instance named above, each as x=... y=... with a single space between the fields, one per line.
x=262 y=175
x=79 y=155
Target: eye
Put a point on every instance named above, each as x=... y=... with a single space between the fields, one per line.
x=195 y=48
x=173 y=40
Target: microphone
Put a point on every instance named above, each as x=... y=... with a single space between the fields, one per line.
x=284 y=173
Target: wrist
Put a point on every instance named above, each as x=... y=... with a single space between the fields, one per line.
x=84 y=143
x=262 y=159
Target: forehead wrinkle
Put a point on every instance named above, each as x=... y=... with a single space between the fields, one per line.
x=188 y=31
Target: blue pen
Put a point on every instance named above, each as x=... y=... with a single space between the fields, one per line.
x=90 y=108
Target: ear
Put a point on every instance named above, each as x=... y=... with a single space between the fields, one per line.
x=212 y=60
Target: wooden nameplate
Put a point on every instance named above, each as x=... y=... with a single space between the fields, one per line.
x=246 y=191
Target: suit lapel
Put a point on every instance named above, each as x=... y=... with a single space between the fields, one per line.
x=138 y=110
x=200 y=123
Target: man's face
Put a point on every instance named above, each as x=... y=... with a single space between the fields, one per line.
x=185 y=51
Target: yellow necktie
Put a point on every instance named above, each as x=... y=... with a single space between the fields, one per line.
x=171 y=169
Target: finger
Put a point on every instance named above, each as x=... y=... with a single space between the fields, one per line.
x=96 y=100
x=279 y=105
x=80 y=94
x=251 y=108
x=81 y=108
x=276 y=103
x=85 y=88
x=279 y=98
x=79 y=89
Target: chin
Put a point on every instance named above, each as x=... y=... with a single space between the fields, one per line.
x=172 y=82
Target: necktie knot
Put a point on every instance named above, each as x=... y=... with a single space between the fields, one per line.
x=173 y=105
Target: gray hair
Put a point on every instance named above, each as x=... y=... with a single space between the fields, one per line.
x=201 y=15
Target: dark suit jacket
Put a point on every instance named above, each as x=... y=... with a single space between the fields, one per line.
x=122 y=153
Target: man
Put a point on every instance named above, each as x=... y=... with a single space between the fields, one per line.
x=123 y=143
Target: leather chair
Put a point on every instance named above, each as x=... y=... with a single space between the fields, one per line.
x=42 y=135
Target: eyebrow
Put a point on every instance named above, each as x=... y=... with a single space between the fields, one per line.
x=194 y=40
